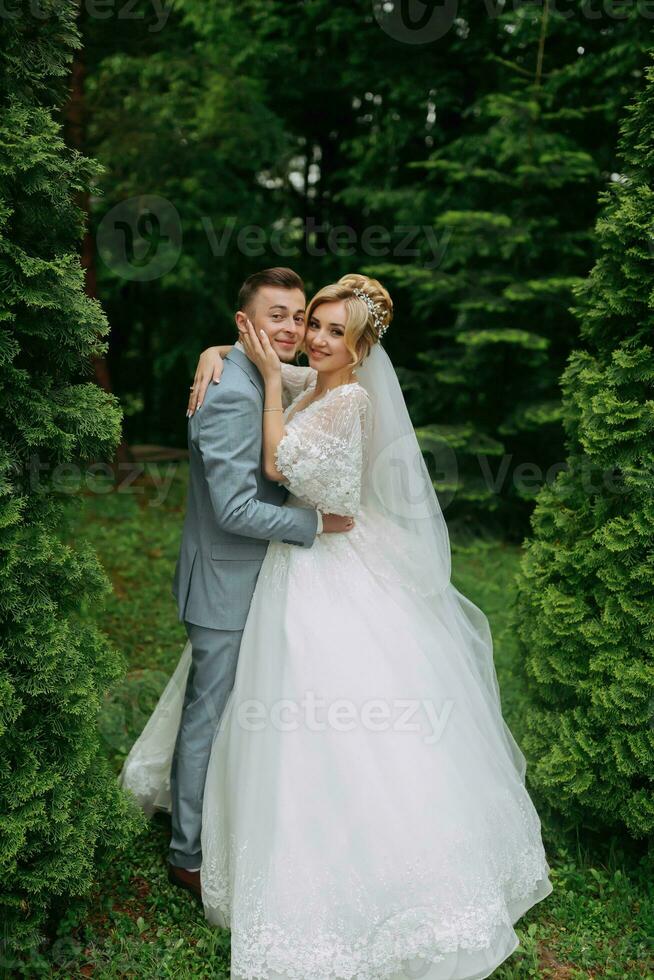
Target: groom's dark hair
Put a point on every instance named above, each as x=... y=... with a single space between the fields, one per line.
x=280 y=277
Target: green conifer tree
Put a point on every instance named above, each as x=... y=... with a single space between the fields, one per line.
x=585 y=610
x=58 y=799
x=511 y=195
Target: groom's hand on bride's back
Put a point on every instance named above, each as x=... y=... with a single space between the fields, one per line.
x=335 y=524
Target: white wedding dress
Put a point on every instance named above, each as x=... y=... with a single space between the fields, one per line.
x=365 y=813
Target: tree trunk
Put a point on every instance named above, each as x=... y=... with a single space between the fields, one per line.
x=75 y=129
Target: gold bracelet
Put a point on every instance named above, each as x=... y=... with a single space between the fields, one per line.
x=273 y=409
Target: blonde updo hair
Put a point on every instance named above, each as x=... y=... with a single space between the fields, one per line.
x=360 y=329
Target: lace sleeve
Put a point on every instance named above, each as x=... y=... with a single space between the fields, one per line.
x=322 y=454
x=295 y=379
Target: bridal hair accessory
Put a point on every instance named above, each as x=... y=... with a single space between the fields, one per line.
x=381 y=326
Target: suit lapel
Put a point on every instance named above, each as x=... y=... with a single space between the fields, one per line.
x=246 y=365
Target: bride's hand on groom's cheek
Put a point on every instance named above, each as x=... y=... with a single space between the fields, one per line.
x=210 y=368
x=259 y=349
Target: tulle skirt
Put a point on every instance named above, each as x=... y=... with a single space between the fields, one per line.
x=365 y=813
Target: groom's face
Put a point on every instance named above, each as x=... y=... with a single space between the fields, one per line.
x=280 y=312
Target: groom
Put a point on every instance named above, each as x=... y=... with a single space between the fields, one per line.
x=232 y=513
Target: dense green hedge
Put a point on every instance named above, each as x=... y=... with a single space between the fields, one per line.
x=586 y=599
x=58 y=799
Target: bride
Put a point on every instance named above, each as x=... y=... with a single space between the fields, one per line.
x=365 y=813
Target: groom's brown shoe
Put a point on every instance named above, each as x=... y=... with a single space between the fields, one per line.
x=189 y=880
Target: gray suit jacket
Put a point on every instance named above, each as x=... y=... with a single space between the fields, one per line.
x=232 y=510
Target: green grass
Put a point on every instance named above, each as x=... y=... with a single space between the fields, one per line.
x=598 y=922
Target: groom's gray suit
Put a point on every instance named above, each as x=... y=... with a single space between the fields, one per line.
x=232 y=513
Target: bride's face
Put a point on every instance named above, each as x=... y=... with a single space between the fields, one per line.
x=325 y=338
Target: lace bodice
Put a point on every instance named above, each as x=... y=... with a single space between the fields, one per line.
x=324 y=451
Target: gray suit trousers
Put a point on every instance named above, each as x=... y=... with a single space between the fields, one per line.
x=210 y=680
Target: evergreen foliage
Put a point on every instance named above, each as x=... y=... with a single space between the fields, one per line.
x=58 y=800
x=585 y=610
